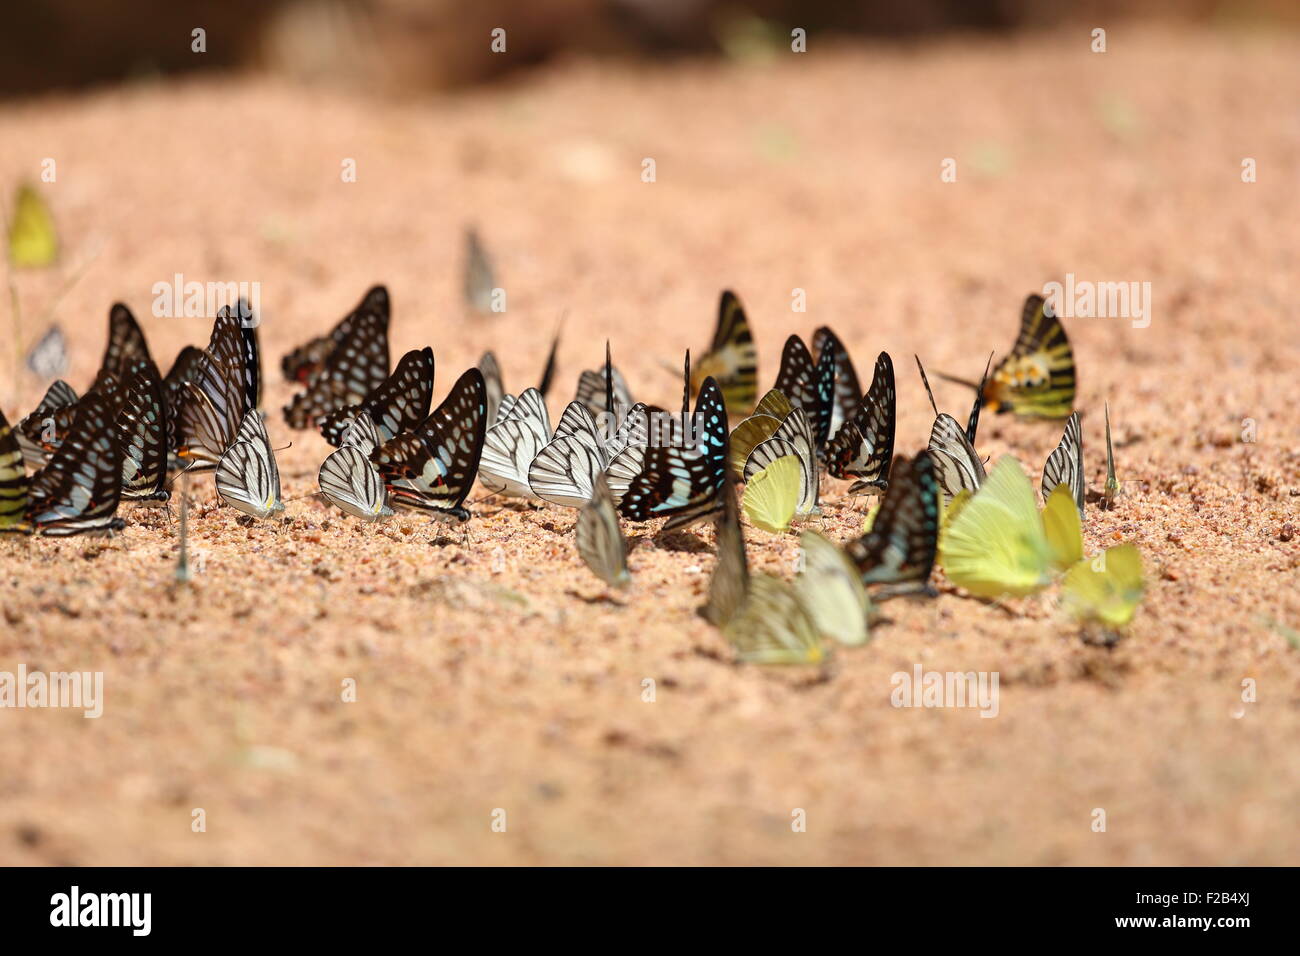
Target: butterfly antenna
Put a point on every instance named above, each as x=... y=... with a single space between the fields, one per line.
x=926 y=382
x=958 y=381
x=184 y=470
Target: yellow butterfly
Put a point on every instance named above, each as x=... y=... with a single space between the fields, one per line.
x=773 y=494
x=831 y=589
x=33 y=241
x=1106 y=589
x=1037 y=379
x=996 y=544
x=774 y=409
x=1063 y=529
x=732 y=359
x=773 y=626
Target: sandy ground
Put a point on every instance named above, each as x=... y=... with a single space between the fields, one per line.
x=493 y=672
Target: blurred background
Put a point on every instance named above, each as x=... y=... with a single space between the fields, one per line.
x=411 y=46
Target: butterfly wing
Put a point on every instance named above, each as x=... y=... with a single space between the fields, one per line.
x=33 y=240
x=863 y=448
x=848 y=391
x=352 y=371
x=899 y=550
x=1107 y=589
x=302 y=364
x=479 y=281
x=351 y=483
x=772 y=494
x=996 y=545
x=773 y=626
x=362 y=434
x=684 y=484
x=732 y=359
x=832 y=591
x=79 y=490
x=1065 y=464
x=957 y=465
x=600 y=540
x=49 y=357
x=247 y=476
x=29 y=432
x=510 y=446
x=13 y=481
x=1063 y=530
x=496 y=390
x=1037 y=380
x=396 y=405
x=730 y=581
x=126 y=343
x=143 y=426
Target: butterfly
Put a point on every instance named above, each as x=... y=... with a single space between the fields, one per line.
x=1112 y=489
x=772 y=494
x=1065 y=464
x=33 y=430
x=808 y=386
x=126 y=345
x=595 y=388
x=1063 y=530
x=773 y=626
x=433 y=467
x=848 y=391
x=49 y=357
x=513 y=442
x=1106 y=589
x=832 y=591
x=304 y=362
x=684 y=484
x=496 y=390
x=247 y=477
x=142 y=424
x=997 y=545
x=792 y=438
x=1037 y=379
x=732 y=358
x=79 y=490
x=899 y=550
x=480 y=283
x=600 y=539
x=396 y=405
x=33 y=241
x=863 y=448
x=771 y=411
x=957 y=464
x=563 y=471
x=218 y=391
x=349 y=480
x=13 y=482
x=352 y=370
x=730 y=581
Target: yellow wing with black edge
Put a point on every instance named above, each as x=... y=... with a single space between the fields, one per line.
x=732 y=359
x=1037 y=379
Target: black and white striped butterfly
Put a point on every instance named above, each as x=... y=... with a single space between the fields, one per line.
x=34 y=431
x=809 y=386
x=684 y=484
x=13 y=482
x=304 y=362
x=848 y=391
x=593 y=393
x=218 y=391
x=565 y=469
x=1065 y=464
x=793 y=437
x=49 y=357
x=142 y=423
x=863 y=448
x=247 y=477
x=349 y=480
x=433 y=467
x=79 y=490
x=512 y=443
x=898 y=552
x=958 y=466
x=600 y=539
x=397 y=405
x=351 y=371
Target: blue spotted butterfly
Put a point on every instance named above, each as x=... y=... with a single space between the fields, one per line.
x=681 y=483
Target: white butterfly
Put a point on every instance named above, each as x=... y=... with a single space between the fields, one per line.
x=349 y=480
x=522 y=429
x=1065 y=464
x=247 y=477
x=600 y=539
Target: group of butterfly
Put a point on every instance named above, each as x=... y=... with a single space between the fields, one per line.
x=608 y=457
